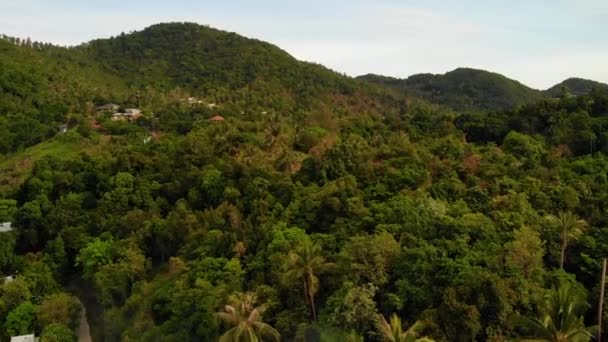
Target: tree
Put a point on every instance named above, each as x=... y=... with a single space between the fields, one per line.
x=561 y=318
x=370 y=257
x=60 y=308
x=245 y=320
x=526 y=252
x=21 y=320
x=570 y=229
x=57 y=333
x=393 y=331
x=304 y=264
x=96 y=254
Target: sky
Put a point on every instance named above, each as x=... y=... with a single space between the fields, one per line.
x=537 y=42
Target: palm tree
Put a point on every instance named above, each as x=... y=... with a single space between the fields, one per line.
x=393 y=331
x=571 y=228
x=304 y=264
x=245 y=320
x=562 y=318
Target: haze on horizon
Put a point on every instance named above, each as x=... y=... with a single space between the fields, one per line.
x=539 y=44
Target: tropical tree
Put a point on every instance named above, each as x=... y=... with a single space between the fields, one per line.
x=245 y=320
x=304 y=264
x=571 y=228
x=393 y=331
x=561 y=317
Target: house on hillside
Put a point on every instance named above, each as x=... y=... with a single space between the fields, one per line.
x=25 y=338
x=192 y=100
x=6 y=227
x=216 y=118
x=109 y=107
x=130 y=115
x=211 y=105
x=8 y=279
x=63 y=128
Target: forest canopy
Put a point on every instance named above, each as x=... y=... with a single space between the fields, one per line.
x=259 y=198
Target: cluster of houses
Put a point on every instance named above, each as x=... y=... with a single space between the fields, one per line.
x=129 y=115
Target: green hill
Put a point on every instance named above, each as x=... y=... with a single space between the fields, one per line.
x=463 y=88
x=316 y=207
x=575 y=86
x=156 y=67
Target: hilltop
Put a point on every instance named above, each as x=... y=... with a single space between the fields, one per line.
x=575 y=86
x=463 y=88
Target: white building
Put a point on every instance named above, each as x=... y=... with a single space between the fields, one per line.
x=24 y=338
x=6 y=227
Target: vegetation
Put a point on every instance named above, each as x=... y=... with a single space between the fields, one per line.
x=561 y=318
x=471 y=89
x=319 y=206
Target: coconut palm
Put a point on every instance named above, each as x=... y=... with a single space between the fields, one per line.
x=245 y=320
x=571 y=228
x=562 y=318
x=393 y=331
x=304 y=264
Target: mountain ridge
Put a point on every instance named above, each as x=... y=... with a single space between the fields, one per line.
x=469 y=88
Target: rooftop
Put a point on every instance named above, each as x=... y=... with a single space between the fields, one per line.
x=24 y=338
x=216 y=118
x=6 y=227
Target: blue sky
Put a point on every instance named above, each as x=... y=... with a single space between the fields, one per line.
x=538 y=42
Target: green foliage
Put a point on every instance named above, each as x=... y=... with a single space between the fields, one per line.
x=21 y=320
x=96 y=254
x=561 y=317
x=245 y=320
x=334 y=202
x=57 y=333
x=464 y=89
x=61 y=309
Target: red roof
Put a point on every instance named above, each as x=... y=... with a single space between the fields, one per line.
x=216 y=118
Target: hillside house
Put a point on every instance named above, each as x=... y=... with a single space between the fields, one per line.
x=130 y=115
x=25 y=338
x=63 y=128
x=8 y=279
x=6 y=227
x=109 y=107
x=216 y=118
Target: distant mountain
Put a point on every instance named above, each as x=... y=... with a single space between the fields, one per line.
x=575 y=86
x=463 y=88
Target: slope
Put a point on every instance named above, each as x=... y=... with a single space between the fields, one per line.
x=204 y=61
x=463 y=88
x=575 y=86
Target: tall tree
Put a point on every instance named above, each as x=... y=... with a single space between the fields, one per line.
x=393 y=331
x=245 y=319
x=561 y=317
x=304 y=264
x=570 y=229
